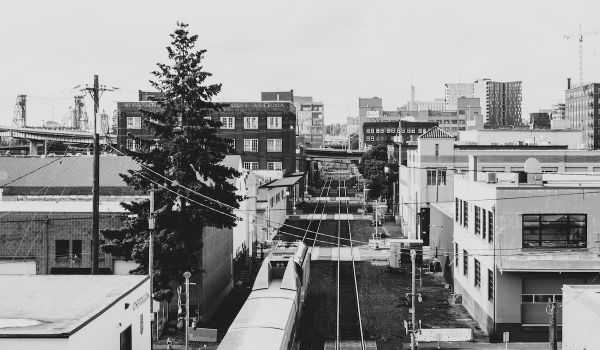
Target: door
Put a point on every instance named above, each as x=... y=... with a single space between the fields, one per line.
x=126 y=339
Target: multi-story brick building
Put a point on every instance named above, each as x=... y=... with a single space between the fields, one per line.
x=263 y=133
x=393 y=133
x=582 y=109
x=368 y=108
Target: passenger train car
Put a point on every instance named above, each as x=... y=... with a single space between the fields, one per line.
x=269 y=318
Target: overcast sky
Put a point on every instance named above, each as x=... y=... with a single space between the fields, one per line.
x=334 y=51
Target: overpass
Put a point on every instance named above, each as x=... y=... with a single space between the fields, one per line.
x=331 y=154
x=39 y=136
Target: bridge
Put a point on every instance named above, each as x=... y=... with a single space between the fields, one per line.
x=39 y=136
x=331 y=154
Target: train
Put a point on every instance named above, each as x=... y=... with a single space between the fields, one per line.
x=269 y=318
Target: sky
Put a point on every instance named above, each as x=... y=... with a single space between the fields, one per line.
x=335 y=51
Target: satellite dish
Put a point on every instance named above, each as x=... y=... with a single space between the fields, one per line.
x=532 y=165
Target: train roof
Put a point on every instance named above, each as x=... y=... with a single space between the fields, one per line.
x=253 y=338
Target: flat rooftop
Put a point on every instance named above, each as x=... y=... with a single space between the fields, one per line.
x=57 y=306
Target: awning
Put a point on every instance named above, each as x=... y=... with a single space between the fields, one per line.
x=284 y=182
x=549 y=261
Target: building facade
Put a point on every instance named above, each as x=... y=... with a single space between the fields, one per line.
x=270 y=96
x=500 y=101
x=582 y=110
x=539 y=120
x=453 y=91
x=515 y=245
x=438 y=156
x=368 y=108
x=263 y=133
x=311 y=123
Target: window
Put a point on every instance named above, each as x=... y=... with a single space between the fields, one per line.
x=274 y=123
x=490 y=226
x=441 y=177
x=76 y=248
x=461 y=206
x=477 y=279
x=134 y=122
x=274 y=166
x=554 y=231
x=465 y=263
x=437 y=149
x=456 y=255
x=466 y=214
x=273 y=145
x=456 y=209
x=125 y=339
x=484 y=223
x=477 y=220
x=251 y=165
x=490 y=285
x=250 y=122
x=61 y=249
x=251 y=145
x=131 y=144
x=541 y=298
x=228 y=122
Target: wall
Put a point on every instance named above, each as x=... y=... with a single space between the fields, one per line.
x=572 y=138
x=10 y=267
x=581 y=317
x=442 y=237
x=33 y=235
x=34 y=343
x=216 y=280
x=104 y=331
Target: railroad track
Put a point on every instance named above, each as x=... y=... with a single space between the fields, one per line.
x=349 y=322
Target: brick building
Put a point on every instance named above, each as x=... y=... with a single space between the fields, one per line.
x=263 y=133
x=393 y=133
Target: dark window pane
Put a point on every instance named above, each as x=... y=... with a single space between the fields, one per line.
x=62 y=249
x=76 y=249
x=527 y=298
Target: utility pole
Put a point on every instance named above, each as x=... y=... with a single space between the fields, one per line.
x=412 y=327
x=151 y=259
x=95 y=91
x=187 y=276
x=553 y=331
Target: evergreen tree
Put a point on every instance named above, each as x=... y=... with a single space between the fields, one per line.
x=185 y=149
x=353 y=141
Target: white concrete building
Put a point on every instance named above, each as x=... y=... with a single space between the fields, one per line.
x=453 y=91
x=74 y=312
x=572 y=138
x=517 y=239
x=581 y=317
x=436 y=150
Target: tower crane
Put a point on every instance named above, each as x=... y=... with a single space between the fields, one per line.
x=580 y=35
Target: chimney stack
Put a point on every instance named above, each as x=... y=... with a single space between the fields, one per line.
x=568 y=83
x=472 y=168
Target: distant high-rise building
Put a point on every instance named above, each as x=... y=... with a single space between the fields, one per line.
x=277 y=96
x=500 y=101
x=368 y=108
x=310 y=119
x=437 y=104
x=582 y=110
x=455 y=90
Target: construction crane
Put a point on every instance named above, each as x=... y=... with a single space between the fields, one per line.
x=580 y=35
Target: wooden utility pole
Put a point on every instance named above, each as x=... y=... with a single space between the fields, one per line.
x=413 y=256
x=96 y=189
x=151 y=259
x=95 y=91
x=553 y=331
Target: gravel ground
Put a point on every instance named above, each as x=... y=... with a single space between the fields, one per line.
x=383 y=310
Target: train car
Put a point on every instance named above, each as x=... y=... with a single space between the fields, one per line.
x=269 y=318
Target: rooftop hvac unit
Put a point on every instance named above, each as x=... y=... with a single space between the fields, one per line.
x=492 y=178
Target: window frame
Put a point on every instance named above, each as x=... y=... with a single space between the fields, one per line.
x=491 y=281
x=477 y=269
x=465 y=263
x=249 y=145
x=228 y=123
x=250 y=122
x=274 y=145
x=276 y=125
x=490 y=226
x=545 y=226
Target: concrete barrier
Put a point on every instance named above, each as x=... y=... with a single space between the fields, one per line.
x=445 y=335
